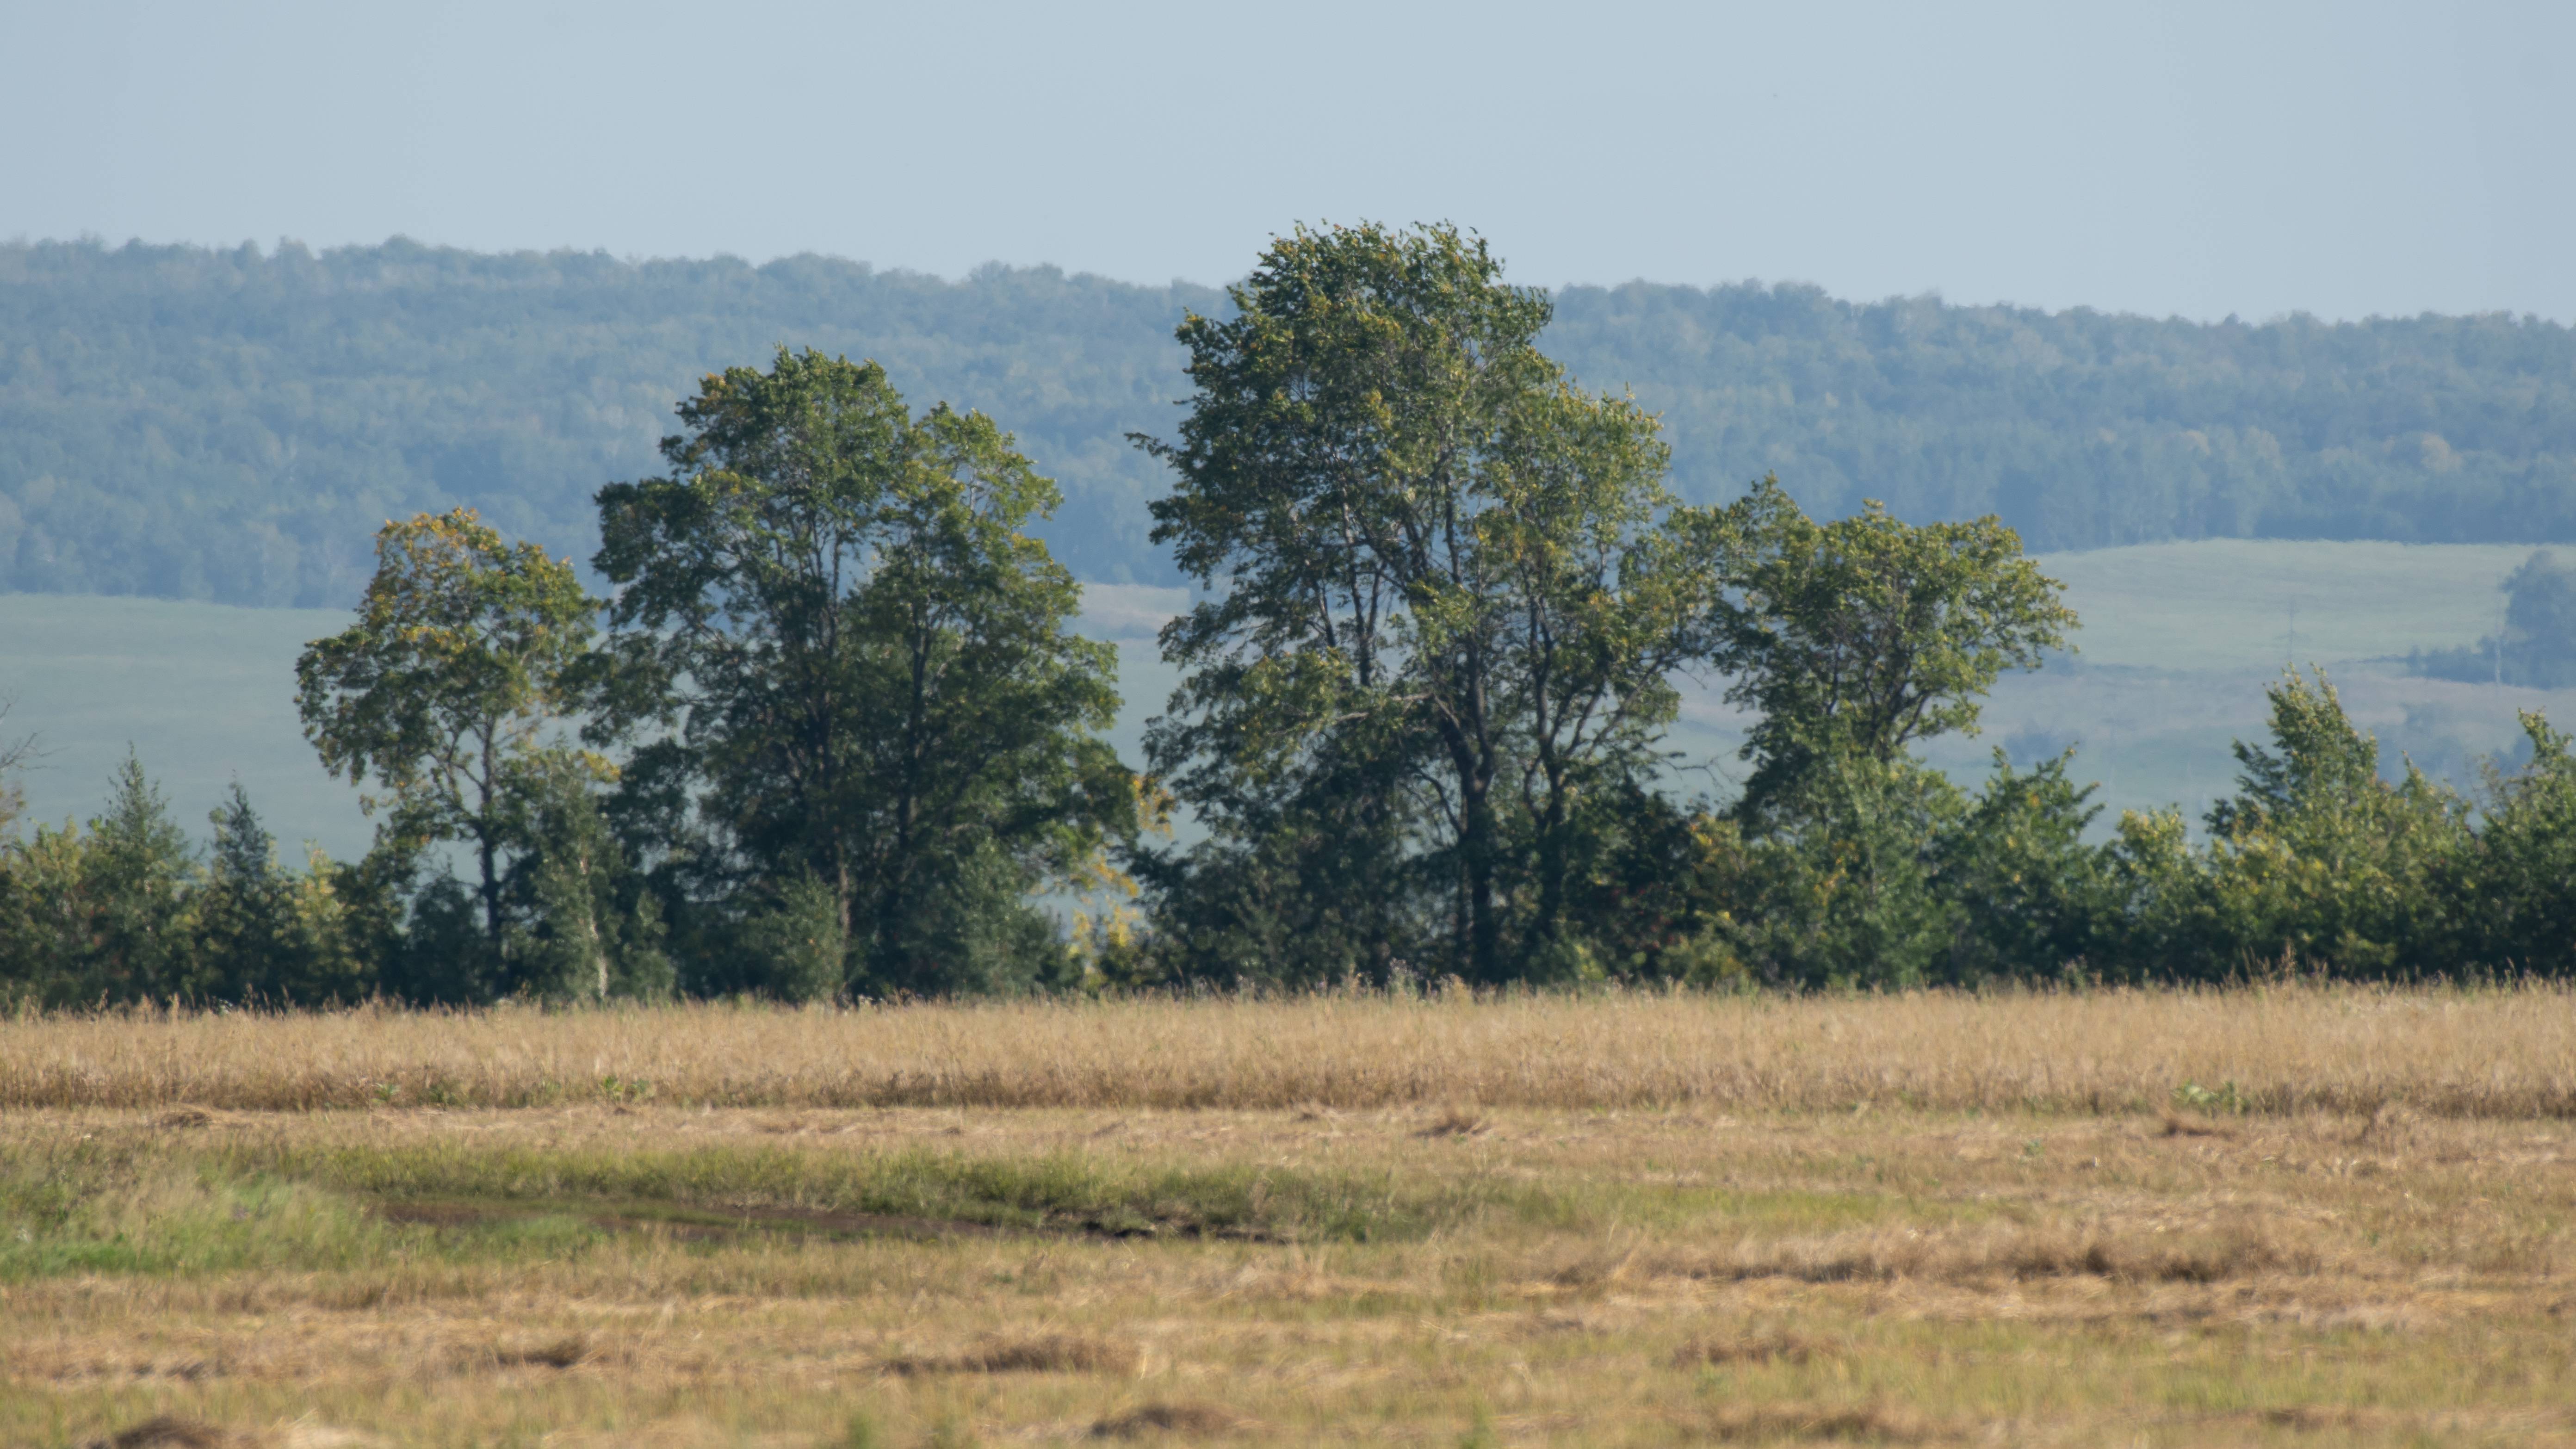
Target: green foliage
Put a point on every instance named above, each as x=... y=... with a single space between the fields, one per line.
x=132 y=880
x=443 y=957
x=265 y=935
x=831 y=617
x=843 y=667
x=586 y=927
x=458 y=669
x=246 y=916
x=124 y=911
x=1445 y=610
x=1850 y=862
x=2517 y=910
x=2316 y=862
x=1297 y=889
x=1881 y=873
x=2032 y=897
x=47 y=934
x=1420 y=571
x=1838 y=889
x=1864 y=635
x=800 y=950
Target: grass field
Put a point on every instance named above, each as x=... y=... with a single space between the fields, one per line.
x=2223 y=604
x=2286 y=1216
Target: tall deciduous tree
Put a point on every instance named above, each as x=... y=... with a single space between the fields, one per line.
x=1444 y=604
x=833 y=607
x=460 y=668
x=1857 y=637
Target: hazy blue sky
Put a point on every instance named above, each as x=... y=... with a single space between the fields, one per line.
x=2344 y=159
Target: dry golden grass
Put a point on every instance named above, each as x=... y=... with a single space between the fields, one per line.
x=1195 y=1421
x=1772 y=1278
x=2021 y=1255
x=1045 y=1354
x=2482 y=1053
x=169 y=1431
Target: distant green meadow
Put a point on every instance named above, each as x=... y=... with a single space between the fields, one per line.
x=2233 y=603
x=205 y=694
x=2178 y=641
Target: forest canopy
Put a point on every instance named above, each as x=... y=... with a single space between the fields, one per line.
x=235 y=425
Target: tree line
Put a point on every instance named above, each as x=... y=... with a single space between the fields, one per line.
x=828 y=733
x=229 y=425
x=2535 y=643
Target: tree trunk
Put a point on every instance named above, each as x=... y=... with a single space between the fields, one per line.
x=1476 y=856
x=1484 y=932
x=590 y=925
x=485 y=847
x=1551 y=876
x=484 y=851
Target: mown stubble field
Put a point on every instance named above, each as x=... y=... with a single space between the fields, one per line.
x=2294 y=1216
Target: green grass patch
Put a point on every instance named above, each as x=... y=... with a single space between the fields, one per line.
x=134 y=1203
x=109 y=1206
x=120 y=1203
x=1060 y=1192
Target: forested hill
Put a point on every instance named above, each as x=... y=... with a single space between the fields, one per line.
x=234 y=425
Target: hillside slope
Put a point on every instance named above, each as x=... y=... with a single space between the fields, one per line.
x=232 y=425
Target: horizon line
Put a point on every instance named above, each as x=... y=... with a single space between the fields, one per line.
x=639 y=260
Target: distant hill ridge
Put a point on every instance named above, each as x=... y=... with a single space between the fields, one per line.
x=233 y=425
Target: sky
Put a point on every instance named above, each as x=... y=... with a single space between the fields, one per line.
x=2204 y=160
